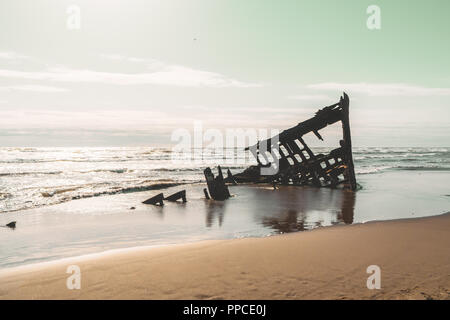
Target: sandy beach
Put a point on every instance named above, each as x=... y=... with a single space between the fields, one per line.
x=326 y=263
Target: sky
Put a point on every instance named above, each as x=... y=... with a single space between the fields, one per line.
x=131 y=72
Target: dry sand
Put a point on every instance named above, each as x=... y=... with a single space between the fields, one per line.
x=327 y=263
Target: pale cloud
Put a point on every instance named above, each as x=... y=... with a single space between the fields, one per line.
x=33 y=88
x=382 y=89
x=156 y=73
x=118 y=57
x=155 y=121
x=9 y=55
x=171 y=75
x=147 y=63
x=310 y=97
x=20 y=119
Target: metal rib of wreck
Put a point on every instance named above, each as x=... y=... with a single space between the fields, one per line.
x=296 y=163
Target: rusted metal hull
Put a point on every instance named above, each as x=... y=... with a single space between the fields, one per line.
x=295 y=163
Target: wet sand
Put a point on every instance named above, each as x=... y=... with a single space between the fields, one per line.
x=103 y=223
x=325 y=263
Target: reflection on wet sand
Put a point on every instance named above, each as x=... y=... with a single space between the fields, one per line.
x=312 y=208
x=287 y=209
x=348 y=206
x=103 y=223
x=287 y=222
x=215 y=210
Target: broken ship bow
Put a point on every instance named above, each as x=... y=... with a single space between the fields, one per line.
x=287 y=159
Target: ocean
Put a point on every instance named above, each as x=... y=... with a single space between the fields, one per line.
x=75 y=201
x=35 y=177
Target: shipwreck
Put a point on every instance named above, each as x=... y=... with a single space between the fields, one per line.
x=286 y=159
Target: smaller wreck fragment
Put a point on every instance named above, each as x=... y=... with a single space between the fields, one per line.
x=159 y=198
x=287 y=159
x=11 y=225
x=216 y=185
x=177 y=196
x=155 y=200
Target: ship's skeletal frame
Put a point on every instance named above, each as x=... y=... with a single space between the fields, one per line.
x=287 y=159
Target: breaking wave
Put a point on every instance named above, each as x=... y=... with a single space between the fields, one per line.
x=33 y=177
x=61 y=195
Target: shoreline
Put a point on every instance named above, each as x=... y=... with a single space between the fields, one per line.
x=214 y=278
x=135 y=249
x=98 y=224
x=88 y=226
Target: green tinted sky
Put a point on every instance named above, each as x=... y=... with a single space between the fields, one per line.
x=137 y=70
